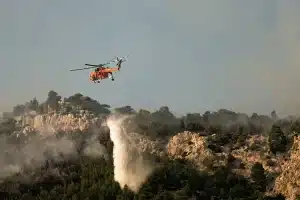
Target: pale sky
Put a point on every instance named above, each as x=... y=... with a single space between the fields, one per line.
x=192 y=55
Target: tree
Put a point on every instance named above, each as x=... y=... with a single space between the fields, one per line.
x=254 y=116
x=18 y=110
x=125 y=110
x=182 y=124
x=193 y=122
x=42 y=108
x=163 y=113
x=277 y=140
x=144 y=113
x=258 y=176
x=32 y=105
x=53 y=99
x=7 y=126
x=206 y=116
x=87 y=103
x=295 y=127
x=274 y=115
x=75 y=99
x=195 y=126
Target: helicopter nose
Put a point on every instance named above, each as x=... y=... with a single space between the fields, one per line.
x=92 y=74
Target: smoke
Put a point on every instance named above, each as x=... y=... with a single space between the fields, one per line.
x=32 y=154
x=262 y=39
x=130 y=166
x=271 y=73
x=94 y=148
x=35 y=151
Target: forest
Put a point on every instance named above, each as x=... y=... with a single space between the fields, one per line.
x=88 y=178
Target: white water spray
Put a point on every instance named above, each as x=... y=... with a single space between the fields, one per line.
x=130 y=168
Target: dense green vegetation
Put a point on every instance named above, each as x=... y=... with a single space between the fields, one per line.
x=90 y=178
x=93 y=179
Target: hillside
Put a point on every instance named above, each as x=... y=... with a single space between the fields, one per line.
x=78 y=148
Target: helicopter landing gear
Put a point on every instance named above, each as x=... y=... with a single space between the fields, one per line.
x=111 y=76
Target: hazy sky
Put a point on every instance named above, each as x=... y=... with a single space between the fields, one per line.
x=192 y=55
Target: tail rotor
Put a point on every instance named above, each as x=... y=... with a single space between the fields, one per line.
x=120 y=60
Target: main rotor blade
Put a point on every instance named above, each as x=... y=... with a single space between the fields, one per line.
x=92 y=65
x=126 y=57
x=83 y=68
x=112 y=60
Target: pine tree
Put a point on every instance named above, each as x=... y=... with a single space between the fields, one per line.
x=277 y=140
x=258 y=176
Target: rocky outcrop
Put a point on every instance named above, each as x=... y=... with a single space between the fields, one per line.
x=192 y=147
x=288 y=183
x=55 y=122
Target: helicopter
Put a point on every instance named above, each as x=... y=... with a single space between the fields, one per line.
x=101 y=72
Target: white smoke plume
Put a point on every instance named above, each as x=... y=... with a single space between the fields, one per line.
x=95 y=149
x=130 y=167
x=35 y=152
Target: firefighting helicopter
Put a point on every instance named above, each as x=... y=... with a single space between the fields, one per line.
x=101 y=72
